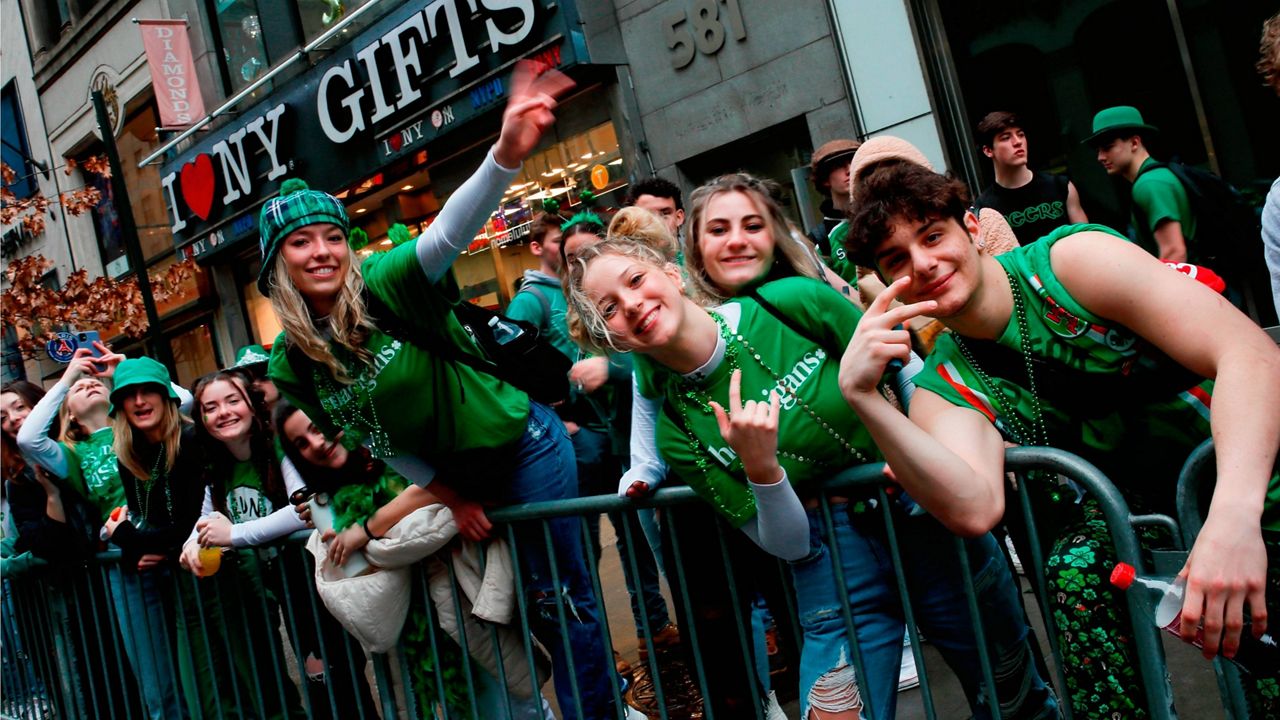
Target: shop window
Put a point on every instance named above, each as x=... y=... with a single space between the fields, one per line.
x=193 y=354
x=50 y=18
x=319 y=15
x=137 y=140
x=243 y=48
x=16 y=151
x=263 y=322
x=13 y=368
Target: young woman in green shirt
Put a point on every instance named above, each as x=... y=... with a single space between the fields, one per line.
x=752 y=405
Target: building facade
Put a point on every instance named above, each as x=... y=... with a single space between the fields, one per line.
x=391 y=106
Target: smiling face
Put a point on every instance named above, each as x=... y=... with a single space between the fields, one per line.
x=225 y=411
x=317 y=260
x=641 y=303
x=938 y=255
x=86 y=395
x=144 y=406
x=314 y=447
x=13 y=411
x=736 y=241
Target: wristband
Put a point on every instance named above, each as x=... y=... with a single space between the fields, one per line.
x=369 y=533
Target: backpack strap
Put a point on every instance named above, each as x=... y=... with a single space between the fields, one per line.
x=795 y=327
x=533 y=289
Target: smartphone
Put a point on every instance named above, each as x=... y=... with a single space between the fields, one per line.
x=322 y=518
x=86 y=339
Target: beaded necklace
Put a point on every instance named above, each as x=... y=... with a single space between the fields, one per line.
x=143 y=496
x=1035 y=434
x=358 y=416
x=692 y=394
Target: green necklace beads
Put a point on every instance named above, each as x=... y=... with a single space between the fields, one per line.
x=1036 y=433
x=143 y=495
x=358 y=416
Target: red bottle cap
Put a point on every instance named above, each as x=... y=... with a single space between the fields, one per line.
x=115 y=514
x=1122 y=576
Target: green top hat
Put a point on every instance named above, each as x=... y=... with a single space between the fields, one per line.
x=251 y=355
x=139 y=371
x=1114 y=120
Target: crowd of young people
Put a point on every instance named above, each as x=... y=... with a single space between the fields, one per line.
x=755 y=371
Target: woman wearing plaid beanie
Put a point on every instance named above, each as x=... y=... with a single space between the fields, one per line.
x=420 y=411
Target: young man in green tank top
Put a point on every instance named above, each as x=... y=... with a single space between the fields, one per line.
x=1083 y=341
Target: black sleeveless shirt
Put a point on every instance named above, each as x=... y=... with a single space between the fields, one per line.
x=1032 y=210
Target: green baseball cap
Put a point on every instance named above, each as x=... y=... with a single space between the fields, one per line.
x=295 y=207
x=139 y=371
x=251 y=355
x=1114 y=120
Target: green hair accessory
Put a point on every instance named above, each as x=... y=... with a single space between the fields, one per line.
x=551 y=205
x=357 y=238
x=398 y=234
x=586 y=216
x=587 y=196
x=293 y=185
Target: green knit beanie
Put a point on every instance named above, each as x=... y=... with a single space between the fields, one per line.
x=295 y=207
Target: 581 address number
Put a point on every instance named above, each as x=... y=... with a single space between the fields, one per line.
x=702 y=27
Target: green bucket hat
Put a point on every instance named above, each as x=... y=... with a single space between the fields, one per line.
x=139 y=371
x=250 y=355
x=1113 y=120
x=296 y=206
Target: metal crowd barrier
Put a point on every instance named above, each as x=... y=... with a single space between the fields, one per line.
x=63 y=654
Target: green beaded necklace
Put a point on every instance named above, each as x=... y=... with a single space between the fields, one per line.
x=692 y=395
x=1035 y=434
x=143 y=496
x=358 y=417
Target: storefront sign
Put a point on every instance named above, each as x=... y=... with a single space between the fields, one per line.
x=416 y=73
x=173 y=73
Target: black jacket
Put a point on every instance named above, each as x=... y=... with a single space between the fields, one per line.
x=162 y=532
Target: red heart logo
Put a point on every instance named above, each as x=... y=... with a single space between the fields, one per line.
x=197 y=185
x=397 y=141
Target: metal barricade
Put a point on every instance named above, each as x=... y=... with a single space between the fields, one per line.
x=251 y=632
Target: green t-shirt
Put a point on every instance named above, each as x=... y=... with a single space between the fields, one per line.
x=410 y=400
x=804 y=372
x=841 y=264
x=246 y=494
x=93 y=471
x=1140 y=445
x=1158 y=196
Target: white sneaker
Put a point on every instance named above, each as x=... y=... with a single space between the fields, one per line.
x=1013 y=555
x=908 y=674
x=772 y=710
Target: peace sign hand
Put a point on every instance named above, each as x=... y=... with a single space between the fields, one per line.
x=877 y=341
x=752 y=431
x=529 y=111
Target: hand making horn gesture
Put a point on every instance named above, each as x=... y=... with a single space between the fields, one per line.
x=752 y=431
x=879 y=340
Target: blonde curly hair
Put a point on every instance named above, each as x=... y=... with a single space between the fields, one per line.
x=1269 y=51
x=587 y=325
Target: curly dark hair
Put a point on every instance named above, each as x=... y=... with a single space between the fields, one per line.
x=655 y=186
x=902 y=191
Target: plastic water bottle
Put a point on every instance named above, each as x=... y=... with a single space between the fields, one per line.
x=1255 y=656
x=504 y=332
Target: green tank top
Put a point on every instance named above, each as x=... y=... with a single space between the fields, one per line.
x=1139 y=439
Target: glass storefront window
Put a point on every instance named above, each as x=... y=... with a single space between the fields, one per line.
x=262 y=318
x=243 y=49
x=320 y=15
x=193 y=354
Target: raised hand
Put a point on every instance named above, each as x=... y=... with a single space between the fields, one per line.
x=534 y=90
x=83 y=364
x=752 y=431
x=107 y=360
x=877 y=342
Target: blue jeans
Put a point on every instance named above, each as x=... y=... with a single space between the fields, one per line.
x=598 y=472
x=937 y=598
x=140 y=615
x=542 y=469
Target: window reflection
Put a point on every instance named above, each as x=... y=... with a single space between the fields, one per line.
x=242 y=45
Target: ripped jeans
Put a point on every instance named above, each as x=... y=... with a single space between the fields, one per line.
x=544 y=468
x=937 y=599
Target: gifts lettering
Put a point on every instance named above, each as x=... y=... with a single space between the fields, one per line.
x=341 y=100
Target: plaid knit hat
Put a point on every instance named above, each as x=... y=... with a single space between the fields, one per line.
x=295 y=207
